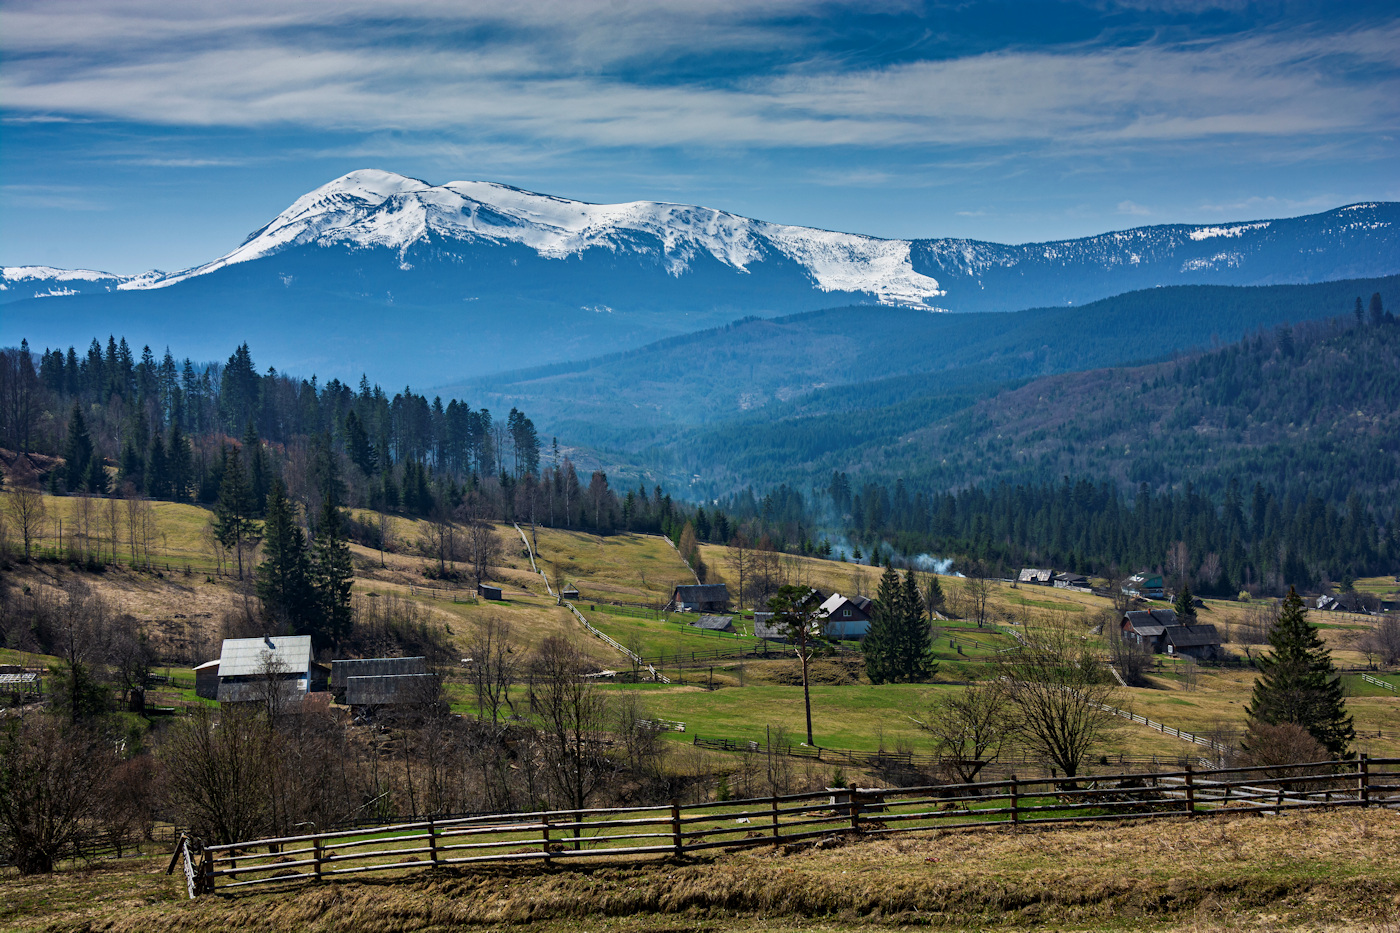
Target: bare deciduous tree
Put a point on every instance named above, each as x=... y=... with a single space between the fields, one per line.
x=27 y=510
x=493 y=668
x=574 y=721
x=216 y=769
x=1057 y=687
x=969 y=728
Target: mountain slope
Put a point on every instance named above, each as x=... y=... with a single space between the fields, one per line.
x=427 y=284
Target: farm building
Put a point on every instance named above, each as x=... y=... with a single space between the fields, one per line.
x=847 y=617
x=341 y=671
x=1144 y=584
x=390 y=690
x=711 y=597
x=713 y=623
x=1161 y=632
x=486 y=591
x=246 y=665
x=764 y=628
x=206 y=680
x=569 y=592
x=1035 y=577
x=1071 y=581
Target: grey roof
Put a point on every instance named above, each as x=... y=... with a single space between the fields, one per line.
x=255 y=691
x=10 y=680
x=702 y=593
x=388 y=690
x=1192 y=636
x=714 y=623
x=1149 y=631
x=1140 y=617
x=208 y=664
x=244 y=657
x=763 y=627
x=374 y=667
x=1034 y=575
x=1070 y=576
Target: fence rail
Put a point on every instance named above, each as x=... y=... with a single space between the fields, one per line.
x=1377 y=682
x=674 y=829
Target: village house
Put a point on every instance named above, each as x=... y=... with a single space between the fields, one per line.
x=1161 y=632
x=247 y=666
x=711 y=597
x=1071 y=581
x=1144 y=585
x=846 y=617
x=1035 y=577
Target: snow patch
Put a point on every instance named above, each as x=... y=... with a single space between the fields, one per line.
x=1206 y=233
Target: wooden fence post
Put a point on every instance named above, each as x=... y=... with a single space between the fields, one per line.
x=676 y=825
x=773 y=802
x=206 y=871
x=432 y=841
x=855 y=810
x=544 y=833
x=1015 y=802
x=1190 y=791
x=1363 y=779
x=318 y=850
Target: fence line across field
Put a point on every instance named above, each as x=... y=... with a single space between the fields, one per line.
x=675 y=830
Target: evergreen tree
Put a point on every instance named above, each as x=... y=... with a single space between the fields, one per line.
x=77 y=452
x=1298 y=683
x=259 y=471
x=915 y=660
x=233 y=513
x=881 y=645
x=1185 y=605
x=1377 y=310
x=934 y=600
x=179 y=464
x=1359 y=311
x=157 y=469
x=331 y=575
x=284 y=584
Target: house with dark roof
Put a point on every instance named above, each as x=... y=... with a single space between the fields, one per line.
x=343 y=670
x=1071 y=581
x=705 y=597
x=1161 y=632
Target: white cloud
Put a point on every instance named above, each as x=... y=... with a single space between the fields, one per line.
x=1135 y=210
x=558 y=75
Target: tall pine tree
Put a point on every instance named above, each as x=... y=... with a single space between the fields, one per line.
x=331 y=575
x=284 y=583
x=233 y=513
x=881 y=645
x=1298 y=683
x=77 y=452
x=915 y=659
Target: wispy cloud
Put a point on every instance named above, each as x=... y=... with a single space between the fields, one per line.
x=605 y=75
x=52 y=197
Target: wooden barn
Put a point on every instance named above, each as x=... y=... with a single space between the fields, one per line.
x=705 y=597
x=343 y=670
x=390 y=690
x=487 y=591
x=715 y=623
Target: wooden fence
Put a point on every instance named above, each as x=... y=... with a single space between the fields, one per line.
x=675 y=830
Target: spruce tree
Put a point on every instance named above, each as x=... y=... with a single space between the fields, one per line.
x=881 y=644
x=233 y=513
x=284 y=575
x=77 y=452
x=1298 y=683
x=331 y=576
x=157 y=469
x=1185 y=605
x=915 y=662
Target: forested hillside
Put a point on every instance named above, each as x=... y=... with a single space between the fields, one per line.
x=796 y=397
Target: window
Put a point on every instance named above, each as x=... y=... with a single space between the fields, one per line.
x=845 y=613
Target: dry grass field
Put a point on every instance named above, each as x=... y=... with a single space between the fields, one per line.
x=1323 y=871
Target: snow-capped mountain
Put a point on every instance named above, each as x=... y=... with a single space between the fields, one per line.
x=429 y=283
x=374 y=209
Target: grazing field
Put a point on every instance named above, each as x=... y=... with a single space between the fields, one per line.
x=1317 y=871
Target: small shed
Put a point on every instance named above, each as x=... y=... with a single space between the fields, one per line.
x=714 y=623
x=708 y=597
x=206 y=680
x=486 y=591
x=390 y=690
x=569 y=592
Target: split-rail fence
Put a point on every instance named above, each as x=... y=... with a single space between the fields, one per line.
x=557 y=836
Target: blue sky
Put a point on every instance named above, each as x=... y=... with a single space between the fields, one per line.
x=160 y=134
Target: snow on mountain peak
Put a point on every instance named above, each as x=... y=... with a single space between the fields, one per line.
x=372 y=208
